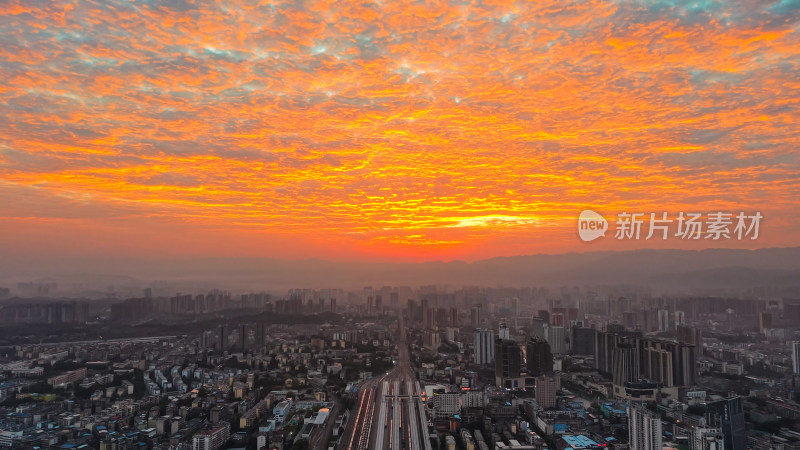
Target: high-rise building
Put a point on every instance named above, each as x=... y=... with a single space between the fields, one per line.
x=538 y=357
x=644 y=429
x=132 y=310
x=728 y=416
x=605 y=344
x=442 y=318
x=430 y=317
x=484 y=346
x=223 y=339
x=629 y=319
x=431 y=339
x=450 y=334
x=667 y=362
x=207 y=339
x=537 y=327
x=664 y=362
x=544 y=315
x=503 y=332
x=626 y=364
x=515 y=306
x=547 y=387
x=556 y=336
x=445 y=404
x=691 y=336
x=791 y=311
x=663 y=320
x=475 y=315
x=507 y=360
x=647 y=320
x=680 y=318
x=583 y=340
x=764 y=321
x=796 y=357
x=261 y=336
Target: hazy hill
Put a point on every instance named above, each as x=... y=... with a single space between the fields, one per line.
x=664 y=269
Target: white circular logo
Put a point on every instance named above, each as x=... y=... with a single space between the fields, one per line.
x=591 y=225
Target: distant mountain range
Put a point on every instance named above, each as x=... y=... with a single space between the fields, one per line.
x=664 y=270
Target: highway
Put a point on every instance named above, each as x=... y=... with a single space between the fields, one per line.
x=390 y=413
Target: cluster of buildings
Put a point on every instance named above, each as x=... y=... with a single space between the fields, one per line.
x=521 y=368
x=623 y=372
x=238 y=384
x=45 y=312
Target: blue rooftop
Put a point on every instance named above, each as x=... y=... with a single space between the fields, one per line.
x=579 y=441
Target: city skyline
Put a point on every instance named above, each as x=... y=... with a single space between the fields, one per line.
x=421 y=224
x=387 y=131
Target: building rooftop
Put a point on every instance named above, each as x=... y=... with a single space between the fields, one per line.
x=579 y=441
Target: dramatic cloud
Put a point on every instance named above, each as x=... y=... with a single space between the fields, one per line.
x=389 y=129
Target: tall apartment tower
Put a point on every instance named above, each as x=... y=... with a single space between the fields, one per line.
x=626 y=364
x=557 y=337
x=507 y=362
x=223 y=338
x=484 y=346
x=503 y=332
x=475 y=315
x=728 y=416
x=663 y=320
x=538 y=357
x=644 y=429
x=546 y=389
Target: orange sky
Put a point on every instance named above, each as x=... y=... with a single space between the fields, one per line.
x=380 y=130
